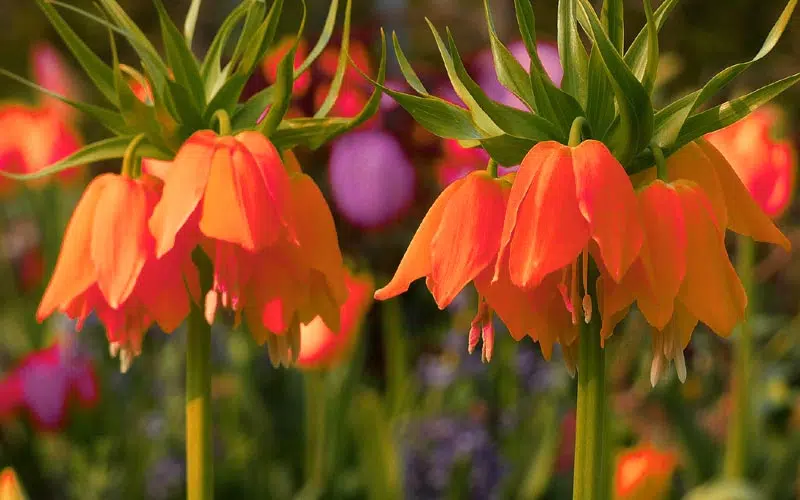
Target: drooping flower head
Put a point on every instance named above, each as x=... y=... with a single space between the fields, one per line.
x=766 y=165
x=644 y=472
x=322 y=347
x=108 y=264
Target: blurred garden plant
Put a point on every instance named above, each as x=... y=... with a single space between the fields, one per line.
x=615 y=202
x=209 y=210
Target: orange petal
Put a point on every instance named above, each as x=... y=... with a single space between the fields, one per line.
x=663 y=255
x=615 y=299
x=551 y=231
x=512 y=304
x=690 y=163
x=75 y=271
x=156 y=168
x=680 y=327
x=291 y=163
x=468 y=236
x=316 y=234
x=744 y=214
x=607 y=201
x=184 y=186
x=416 y=262
x=120 y=239
x=711 y=290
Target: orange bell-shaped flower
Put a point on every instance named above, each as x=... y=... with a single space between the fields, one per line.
x=567 y=201
x=10 y=487
x=321 y=346
x=766 y=166
x=644 y=472
x=683 y=274
x=108 y=265
x=234 y=191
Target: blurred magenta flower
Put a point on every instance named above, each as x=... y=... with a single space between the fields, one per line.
x=372 y=179
x=46 y=382
x=50 y=71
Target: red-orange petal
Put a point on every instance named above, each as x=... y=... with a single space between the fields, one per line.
x=711 y=290
x=416 y=262
x=544 y=230
x=744 y=215
x=468 y=237
x=120 y=239
x=607 y=201
x=690 y=163
x=75 y=271
x=184 y=186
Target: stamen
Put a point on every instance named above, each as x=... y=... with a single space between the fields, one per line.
x=657 y=368
x=680 y=365
x=487 y=333
x=113 y=349
x=212 y=301
x=570 y=354
x=475 y=326
x=587 y=299
x=564 y=290
x=573 y=293
x=125 y=360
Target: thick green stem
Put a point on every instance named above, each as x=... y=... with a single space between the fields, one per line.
x=199 y=458
x=661 y=163
x=590 y=457
x=129 y=166
x=221 y=116
x=736 y=446
x=492 y=168
x=579 y=131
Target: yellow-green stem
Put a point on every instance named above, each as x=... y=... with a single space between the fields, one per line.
x=129 y=166
x=492 y=168
x=590 y=457
x=221 y=116
x=739 y=425
x=661 y=163
x=579 y=131
x=199 y=449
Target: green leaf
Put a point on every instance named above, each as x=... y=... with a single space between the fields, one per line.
x=226 y=97
x=191 y=21
x=102 y=150
x=156 y=69
x=438 y=116
x=551 y=102
x=507 y=150
x=211 y=68
x=600 y=109
x=510 y=120
x=730 y=112
x=573 y=53
x=322 y=42
x=478 y=115
x=109 y=118
x=671 y=119
x=184 y=66
x=100 y=74
x=184 y=104
x=252 y=23
x=633 y=102
x=509 y=71
x=247 y=114
x=636 y=57
x=405 y=67
x=612 y=17
x=89 y=15
x=651 y=67
x=256 y=48
x=281 y=97
x=305 y=131
x=341 y=66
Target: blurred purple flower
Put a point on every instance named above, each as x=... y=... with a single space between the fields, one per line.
x=433 y=447
x=441 y=369
x=371 y=178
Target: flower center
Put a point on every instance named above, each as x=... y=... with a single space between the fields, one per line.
x=570 y=290
x=483 y=328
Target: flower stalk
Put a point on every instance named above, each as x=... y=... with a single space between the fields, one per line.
x=199 y=459
x=590 y=457
x=736 y=446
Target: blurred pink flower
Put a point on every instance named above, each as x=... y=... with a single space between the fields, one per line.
x=45 y=382
x=371 y=177
x=50 y=71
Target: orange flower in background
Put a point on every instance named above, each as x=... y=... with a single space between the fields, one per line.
x=644 y=472
x=274 y=56
x=235 y=192
x=321 y=346
x=10 y=487
x=357 y=52
x=682 y=264
x=108 y=265
x=767 y=166
x=458 y=242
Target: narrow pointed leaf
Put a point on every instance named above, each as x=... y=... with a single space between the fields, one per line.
x=247 y=114
x=252 y=23
x=191 y=21
x=109 y=118
x=184 y=66
x=281 y=97
x=405 y=67
x=211 y=68
x=88 y=15
x=304 y=131
x=341 y=66
x=612 y=19
x=509 y=71
x=256 y=48
x=672 y=118
x=322 y=42
x=507 y=150
x=633 y=102
x=636 y=56
x=572 y=52
x=732 y=111
x=651 y=66
x=226 y=97
x=600 y=100
x=100 y=74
